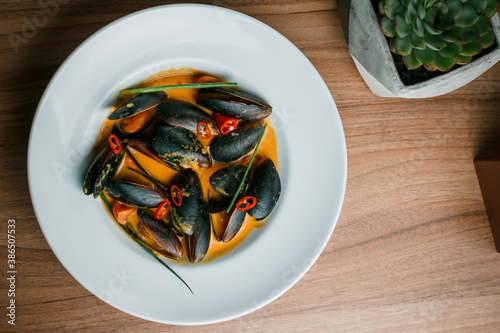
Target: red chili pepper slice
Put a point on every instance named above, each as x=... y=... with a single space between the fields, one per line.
x=176 y=197
x=246 y=203
x=115 y=144
x=203 y=130
x=162 y=209
x=226 y=124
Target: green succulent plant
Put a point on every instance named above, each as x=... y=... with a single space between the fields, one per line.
x=437 y=33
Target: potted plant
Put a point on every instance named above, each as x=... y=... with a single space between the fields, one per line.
x=420 y=48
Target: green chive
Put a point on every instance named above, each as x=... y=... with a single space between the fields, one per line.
x=180 y=86
x=248 y=169
x=110 y=210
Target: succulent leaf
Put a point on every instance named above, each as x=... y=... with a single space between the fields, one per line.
x=469 y=34
x=434 y=42
x=416 y=40
x=444 y=63
x=437 y=33
x=426 y=56
x=472 y=48
x=491 y=9
x=387 y=26
x=411 y=61
x=456 y=7
x=488 y=39
x=402 y=28
x=463 y=60
x=483 y=25
x=479 y=5
x=468 y=17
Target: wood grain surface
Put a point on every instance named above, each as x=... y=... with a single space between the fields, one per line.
x=412 y=250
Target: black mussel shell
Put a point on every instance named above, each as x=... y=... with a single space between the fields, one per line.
x=200 y=240
x=161 y=232
x=236 y=144
x=226 y=181
x=180 y=147
x=108 y=170
x=145 y=148
x=185 y=215
x=139 y=103
x=216 y=206
x=185 y=115
x=265 y=186
x=234 y=103
x=93 y=170
x=134 y=194
x=234 y=225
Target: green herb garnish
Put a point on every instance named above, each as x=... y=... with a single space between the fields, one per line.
x=110 y=210
x=180 y=86
x=247 y=170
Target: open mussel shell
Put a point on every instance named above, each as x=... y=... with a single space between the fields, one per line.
x=180 y=147
x=93 y=170
x=139 y=103
x=185 y=215
x=265 y=186
x=234 y=103
x=135 y=194
x=234 y=225
x=236 y=144
x=142 y=235
x=199 y=242
x=127 y=133
x=185 y=115
x=137 y=145
x=108 y=170
x=161 y=232
x=227 y=180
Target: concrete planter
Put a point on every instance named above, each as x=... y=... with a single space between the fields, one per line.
x=372 y=56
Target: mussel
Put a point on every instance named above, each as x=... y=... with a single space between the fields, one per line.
x=188 y=202
x=265 y=186
x=226 y=180
x=185 y=115
x=234 y=103
x=135 y=194
x=140 y=103
x=233 y=146
x=101 y=170
x=180 y=147
x=161 y=232
x=199 y=242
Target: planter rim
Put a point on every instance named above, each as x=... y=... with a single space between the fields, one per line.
x=402 y=89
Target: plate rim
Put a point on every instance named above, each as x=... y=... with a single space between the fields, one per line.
x=335 y=214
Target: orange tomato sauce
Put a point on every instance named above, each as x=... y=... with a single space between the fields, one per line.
x=267 y=149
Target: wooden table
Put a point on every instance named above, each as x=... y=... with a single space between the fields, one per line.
x=412 y=250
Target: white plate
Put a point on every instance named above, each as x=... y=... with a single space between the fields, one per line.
x=312 y=163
